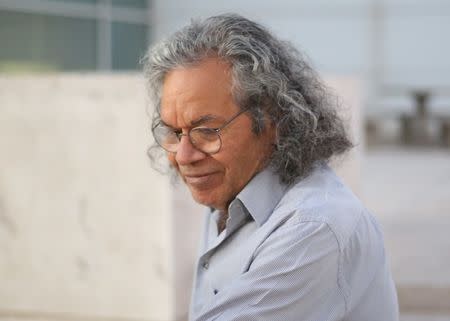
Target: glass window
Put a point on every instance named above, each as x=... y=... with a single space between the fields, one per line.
x=33 y=41
x=139 y=4
x=78 y=1
x=129 y=42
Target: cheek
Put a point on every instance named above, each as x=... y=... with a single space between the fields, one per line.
x=239 y=167
x=248 y=157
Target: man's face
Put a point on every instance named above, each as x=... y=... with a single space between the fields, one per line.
x=201 y=96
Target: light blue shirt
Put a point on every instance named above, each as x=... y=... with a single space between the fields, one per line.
x=309 y=252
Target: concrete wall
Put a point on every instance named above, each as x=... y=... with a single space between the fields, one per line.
x=87 y=229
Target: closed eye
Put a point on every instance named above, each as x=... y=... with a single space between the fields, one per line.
x=206 y=129
x=204 y=134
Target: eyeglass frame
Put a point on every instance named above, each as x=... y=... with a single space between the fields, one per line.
x=188 y=134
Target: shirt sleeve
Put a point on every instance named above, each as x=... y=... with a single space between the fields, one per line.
x=293 y=276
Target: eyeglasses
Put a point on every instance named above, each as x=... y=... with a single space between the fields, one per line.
x=205 y=139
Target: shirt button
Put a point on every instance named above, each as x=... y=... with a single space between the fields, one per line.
x=216 y=291
x=205 y=265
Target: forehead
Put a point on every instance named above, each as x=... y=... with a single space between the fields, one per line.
x=192 y=92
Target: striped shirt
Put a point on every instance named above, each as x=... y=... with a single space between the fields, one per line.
x=308 y=252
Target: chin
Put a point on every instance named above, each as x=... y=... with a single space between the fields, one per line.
x=205 y=198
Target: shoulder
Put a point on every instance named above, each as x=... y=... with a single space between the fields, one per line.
x=323 y=198
x=321 y=226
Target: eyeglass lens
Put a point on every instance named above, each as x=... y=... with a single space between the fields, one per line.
x=205 y=139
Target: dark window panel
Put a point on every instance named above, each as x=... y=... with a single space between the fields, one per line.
x=47 y=42
x=129 y=42
x=77 y=1
x=139 y=4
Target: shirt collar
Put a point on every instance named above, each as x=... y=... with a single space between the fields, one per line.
x=261 y=195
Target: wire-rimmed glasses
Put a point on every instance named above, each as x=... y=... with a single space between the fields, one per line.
x=205 y=139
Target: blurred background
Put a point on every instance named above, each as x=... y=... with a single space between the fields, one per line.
x=88 y=231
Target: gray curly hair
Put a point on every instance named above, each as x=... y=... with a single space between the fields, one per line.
x=269 y=77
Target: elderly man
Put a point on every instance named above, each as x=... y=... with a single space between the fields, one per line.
x=250 y=128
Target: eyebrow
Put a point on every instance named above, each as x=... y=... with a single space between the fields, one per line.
x=203 y=119
x=196 y=122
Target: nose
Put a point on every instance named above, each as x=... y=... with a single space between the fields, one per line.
x=187 y=153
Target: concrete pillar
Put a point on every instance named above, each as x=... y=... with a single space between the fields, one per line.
x=87 y=229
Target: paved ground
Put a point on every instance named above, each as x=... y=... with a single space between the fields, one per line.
x=409 y=192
